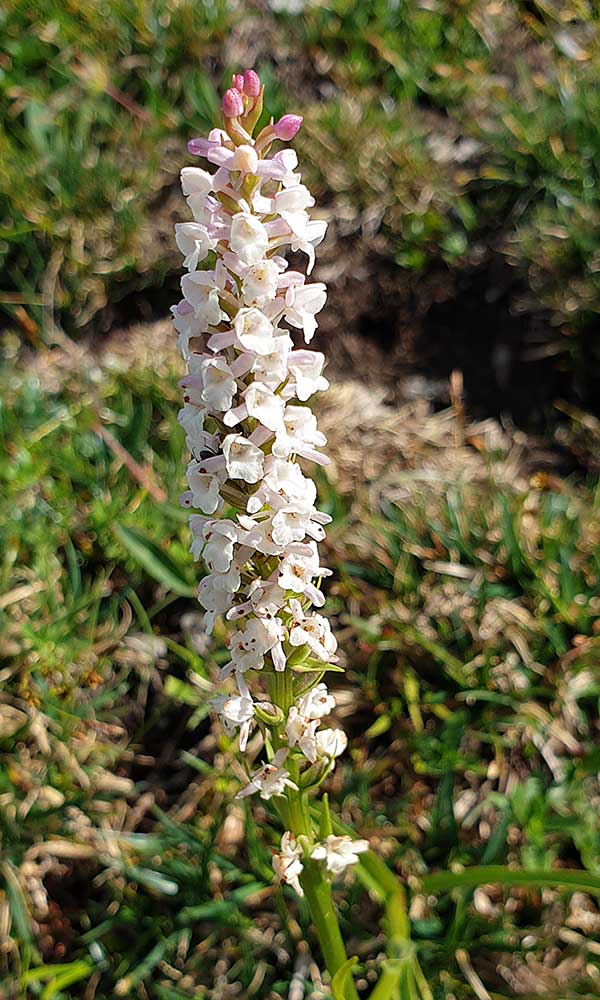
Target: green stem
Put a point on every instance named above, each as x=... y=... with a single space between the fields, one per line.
x=295 y=814
x=317 y=891
x=318 y=895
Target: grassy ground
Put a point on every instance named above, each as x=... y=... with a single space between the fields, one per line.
x=465 y=597
x=454 y=149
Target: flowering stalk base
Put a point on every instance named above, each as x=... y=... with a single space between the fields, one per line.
x=255 y=525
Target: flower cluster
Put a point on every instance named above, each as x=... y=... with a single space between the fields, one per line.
x=247 y=423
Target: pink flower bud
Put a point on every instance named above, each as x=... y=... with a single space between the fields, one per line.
x=232 y=104
x=287 y=126
x=238 y=81
x=251 y=83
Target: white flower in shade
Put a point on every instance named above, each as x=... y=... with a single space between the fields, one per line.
x=272 y=368
x=254 y=331
x=194 y=242
x=264 y=599
x=316 y=703
x=191 y=418
x=314 y=233
x=260 y=283
x=298 y=435
x=186 y=325
x=243 y=459
x=339 y=852
x=202 y=296
x=219 y=544
x=236 y=711
x=287 y=864
x=204 y=489
x=301 y=732
x=293 y=199
x=315 y=632
x=215 y=594
x=270 y=779
x=249 y=238
x=249 y=646
x=195 y=181
x=331 y=743
x=219 y=385
x=304 y=302
x=306 y=367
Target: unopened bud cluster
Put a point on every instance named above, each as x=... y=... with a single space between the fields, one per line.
x=247 y=423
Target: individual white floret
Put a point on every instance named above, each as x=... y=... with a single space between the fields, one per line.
x=215 y=594
x=298 y=435
x=302 y=732
x=254 y=331
x=194 y=180
x=219 y=385
x=250 y=645
x=287 y=864
x=219 y=539
x=297 y=570
x=243 y=459
x=200 y=291
x=315 y=632
x=204 y=488
x=194 y=243
x=261 y=403
x=331 y=743
x=306 y=368
x=260 y=283
x=249 y=238
x=316 y=703
x=339 y=852
x=236 y=711
x=270 y=779
x=303 y=303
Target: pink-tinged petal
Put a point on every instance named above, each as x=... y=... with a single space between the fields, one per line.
x=199 y=147
x=238 y=81
x=219 y=155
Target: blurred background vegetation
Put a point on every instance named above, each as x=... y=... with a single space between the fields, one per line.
x=454 y=148
x=455 y=145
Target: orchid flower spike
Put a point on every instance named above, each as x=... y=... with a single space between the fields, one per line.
x=255 y=521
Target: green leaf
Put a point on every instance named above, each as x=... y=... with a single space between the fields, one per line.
x=325 y=827
x=577 y=881
x=342 y=978
x=154 y=560
x=80 y=970
x=316 y=667
x=388 y=985
x=19 y=911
